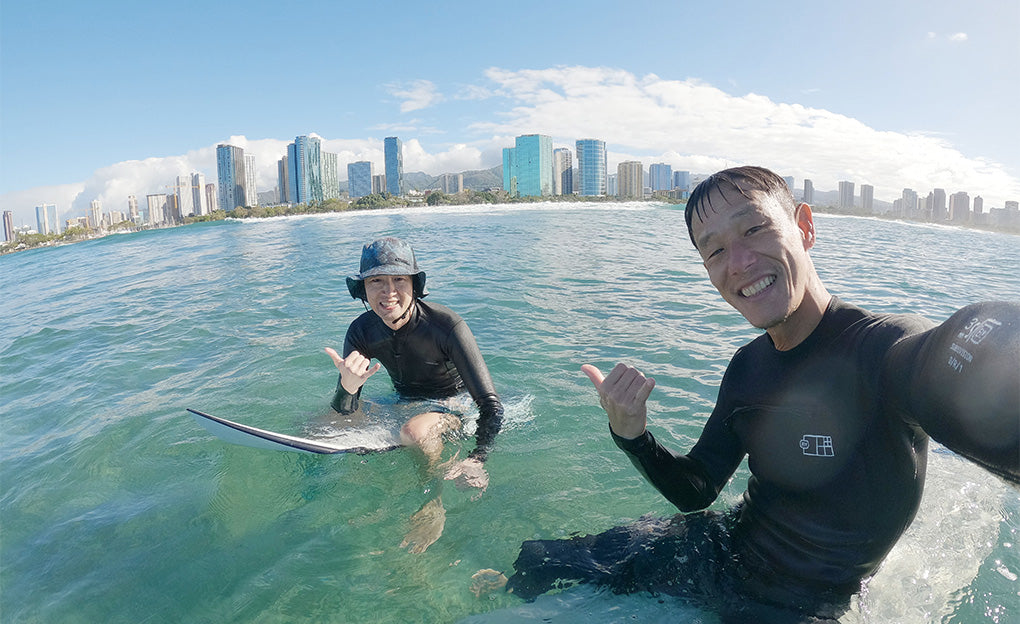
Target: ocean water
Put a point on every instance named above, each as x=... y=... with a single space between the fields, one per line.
x=115 y=506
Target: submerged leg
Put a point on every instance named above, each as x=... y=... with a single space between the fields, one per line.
x=425 y=432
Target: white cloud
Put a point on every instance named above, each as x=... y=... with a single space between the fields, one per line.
x=699 y=124
x=416 y=95
x=958 y=37
x=688 y=124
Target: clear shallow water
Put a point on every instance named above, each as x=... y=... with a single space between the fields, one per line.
x=117 y=507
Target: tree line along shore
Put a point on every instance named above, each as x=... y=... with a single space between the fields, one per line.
x=377 y=201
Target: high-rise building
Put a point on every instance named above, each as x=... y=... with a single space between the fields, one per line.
x=510 y=171
x=939 y=212
x=563 y=179
x=809 y=191
x=660 y=177
x=185 y=198
x=533 y=165
x=394 y=153
x=789 y=182
x=304 y=168
x=979 y=206
x=133 y=210
x=46 y=219
x=846 y=195
x=199 y=201
x=211 y=197
x=630 y=178
x=682 y=180
x=251 y=195
x=8 y=226
x=283 y=180
x=592 y=169
x=330 y=176
x=231 y=176
x=156 y=205
x=909 y=204
x=359 y=179
x=379 y=184
x=867 y=199
x=959 y=207
x=95 y=214
x=451 y=183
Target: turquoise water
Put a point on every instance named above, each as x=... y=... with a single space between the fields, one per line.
x=118 y=507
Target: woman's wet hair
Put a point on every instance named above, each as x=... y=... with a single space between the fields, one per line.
x=743 y=180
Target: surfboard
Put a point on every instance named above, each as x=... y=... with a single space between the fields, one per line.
x=246 y=435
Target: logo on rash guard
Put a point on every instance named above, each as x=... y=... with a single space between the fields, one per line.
x=977 y=330
x=817 y=446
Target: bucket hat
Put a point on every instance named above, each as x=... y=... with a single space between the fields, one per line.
x=387 y=256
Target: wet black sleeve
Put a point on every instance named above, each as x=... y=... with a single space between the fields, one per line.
x=475 y=375
x=683 y=480
x=960 y=381
x=343 y=401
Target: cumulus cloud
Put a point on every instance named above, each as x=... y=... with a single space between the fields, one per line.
x=690 y=124
x=416 y=95
x=958 y=37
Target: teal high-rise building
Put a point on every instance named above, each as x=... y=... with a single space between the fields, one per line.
x=528 y=166
x=304 y=168
x=394 y=166
x=359 y=179
x=230 y=175
x=591 y=167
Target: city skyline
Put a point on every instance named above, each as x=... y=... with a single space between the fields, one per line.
x=697 y=87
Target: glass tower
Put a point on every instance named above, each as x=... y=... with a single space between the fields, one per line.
x=533 y=165
x=394 y=166
x=304 y=168
x=660 y=177
x=359 y=179
x=591 y=167
x=230 y=176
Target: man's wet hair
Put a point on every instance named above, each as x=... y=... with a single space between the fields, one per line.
x=744 y=180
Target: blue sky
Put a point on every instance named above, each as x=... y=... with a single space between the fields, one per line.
x=105 y=99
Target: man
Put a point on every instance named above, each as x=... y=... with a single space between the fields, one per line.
x=832 y=406
x=430 y=353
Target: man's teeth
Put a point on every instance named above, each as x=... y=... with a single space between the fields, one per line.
x=758 y=286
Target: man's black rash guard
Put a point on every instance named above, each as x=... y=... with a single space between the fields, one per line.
x=960 y=381
x=835 y=441
x=433 y=356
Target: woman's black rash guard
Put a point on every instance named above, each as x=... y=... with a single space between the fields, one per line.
x=835 y=435
x=433 y=356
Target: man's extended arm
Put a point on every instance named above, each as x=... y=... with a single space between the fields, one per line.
x=960 y=381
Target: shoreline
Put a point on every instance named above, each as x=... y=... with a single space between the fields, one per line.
x=483 y=199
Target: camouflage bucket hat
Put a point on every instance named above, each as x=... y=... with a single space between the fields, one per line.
x=387 y=256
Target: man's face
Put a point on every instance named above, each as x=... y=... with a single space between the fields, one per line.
x=756 y=254
x=389 y=296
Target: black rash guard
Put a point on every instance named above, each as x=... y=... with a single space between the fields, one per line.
x=835 y=434
x=433 y=356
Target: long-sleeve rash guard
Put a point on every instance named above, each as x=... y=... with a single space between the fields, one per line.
x=433 y=356
x=836 y=430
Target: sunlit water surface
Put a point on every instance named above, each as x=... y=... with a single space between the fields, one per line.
x=118 y=507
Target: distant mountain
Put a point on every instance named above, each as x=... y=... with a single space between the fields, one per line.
x=480 y=180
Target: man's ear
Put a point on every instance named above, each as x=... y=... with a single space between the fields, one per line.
x=806 y=225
